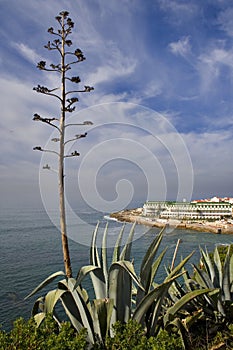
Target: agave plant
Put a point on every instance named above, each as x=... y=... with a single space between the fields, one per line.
x=119 y=293
x=215 y=275
x=205 y=297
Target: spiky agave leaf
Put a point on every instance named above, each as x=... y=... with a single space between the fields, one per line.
x=47 y=281
x=156 y=297
x=209 y=267
x=149 y=267
x=83 y=272
x=126 y=251
x=226 y=283
x=94 y=256
x=117 y=247
x=97 y=277
x=103 y=261
x=102 y=313
x=231 y=273
x=172 y=311
x=121 y=276
x=76 y=308
x=204 y=281
x=152 y=319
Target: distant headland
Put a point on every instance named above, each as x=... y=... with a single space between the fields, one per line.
x=203 y=215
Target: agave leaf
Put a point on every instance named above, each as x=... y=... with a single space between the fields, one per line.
x=150 y=254
x=38 y=306
x=172 y=311
x=157 y=296
x=94 y=256
x=208 y=264
x=97 y=277
x=148 y=278
x=176 y=290
x=121 y=275
x=156 y=265
x=129 y=268
x=45 y=283
x=116 y=252
x=190 y=283
x=72 y=311
x=83 y=271
x=84 y=294
x=176 y=269
x=175 y=254
x=51 y=299
x=203 y=278
x=120 y=291
x=102 y=312
x=99 y=283
x=218 y=276
x=221 y=308
x=126 y=252
x=39 y=318
x=104 y=263
x=226 y=285
x=231 y=272
x=157 y=306
x=146 y=265
x=77 y=310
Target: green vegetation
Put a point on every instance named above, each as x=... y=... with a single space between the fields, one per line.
x=192 y=309
x=120 y=295
x=26 y=336
x=130 y=336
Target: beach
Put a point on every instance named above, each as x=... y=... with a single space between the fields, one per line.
x=135 y=215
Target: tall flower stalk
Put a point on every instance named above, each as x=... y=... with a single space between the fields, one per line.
x=67 y=101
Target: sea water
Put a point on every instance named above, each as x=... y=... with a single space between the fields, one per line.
x=30 y=250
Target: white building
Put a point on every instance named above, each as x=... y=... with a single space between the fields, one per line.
x=204 y=210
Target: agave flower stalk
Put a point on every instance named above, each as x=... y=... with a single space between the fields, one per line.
x=61 y=44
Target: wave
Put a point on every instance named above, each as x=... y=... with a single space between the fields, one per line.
x=107 y=217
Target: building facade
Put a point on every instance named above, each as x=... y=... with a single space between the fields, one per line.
x=188 y=210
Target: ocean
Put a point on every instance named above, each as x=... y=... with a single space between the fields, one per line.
x=30 y=250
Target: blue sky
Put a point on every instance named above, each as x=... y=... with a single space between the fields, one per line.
x=162 y=107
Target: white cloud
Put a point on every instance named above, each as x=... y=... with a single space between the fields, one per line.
x=225 y=21
x=18 y=132
x=28 y=53
x=112 y=70
x=179 y=10
x=210 y=64
x=211 y=146
x=181 y=47
x=217 y=56
x=211 y=161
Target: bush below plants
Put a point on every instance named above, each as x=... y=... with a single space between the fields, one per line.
x=26 y=336
x=130 y=336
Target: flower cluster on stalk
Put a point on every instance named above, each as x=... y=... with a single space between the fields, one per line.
x=71 y=57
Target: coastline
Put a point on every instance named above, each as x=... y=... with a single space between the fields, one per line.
x=134 y=215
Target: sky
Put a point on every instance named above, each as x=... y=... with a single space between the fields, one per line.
x=162 y=105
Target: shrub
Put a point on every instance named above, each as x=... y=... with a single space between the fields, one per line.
x=26 y=336
x=131 y=336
